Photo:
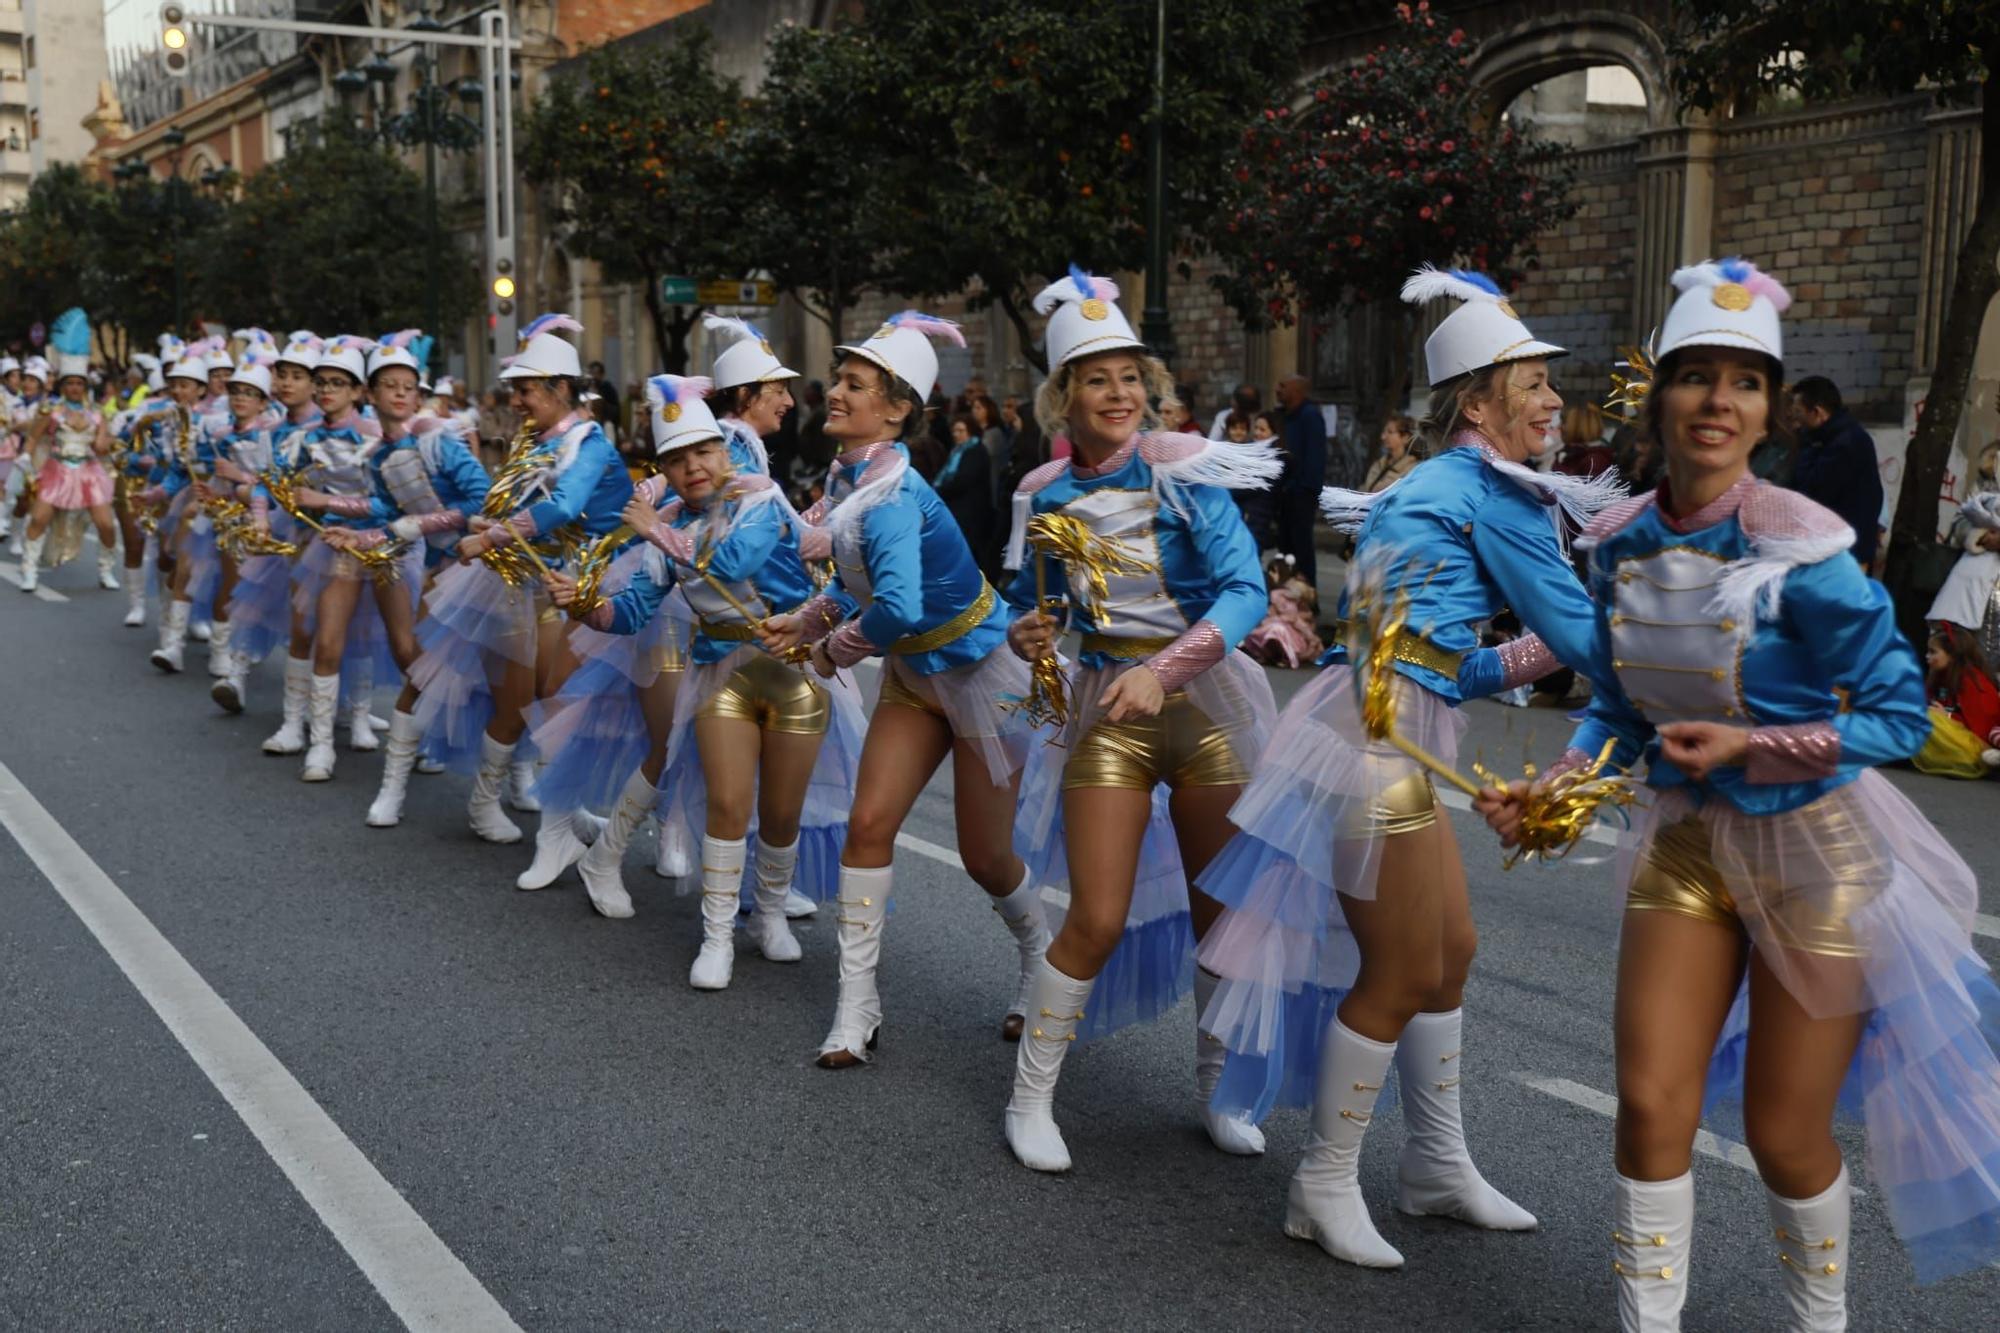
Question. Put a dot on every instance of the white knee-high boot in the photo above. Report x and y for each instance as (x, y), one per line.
(721, 881)
(219, 657)
(602, 867)
(1021, 912)
(290, 737)
(1237, 1134)
(861, 908)
(1652, 1234)
(1812, 1239)
(173, 636)
(768, 927)
(1055, 1006)
(325, 703)
(1325, 1204)
(482, 808)
(1435, 1171)
(387, 809)
(107, 568)
(31, 559)
(557, 848)
(135, 599)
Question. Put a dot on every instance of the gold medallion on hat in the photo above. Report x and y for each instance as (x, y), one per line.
(1505, 309)
(1731, 296)
(1094, 309)
(882, 332)
(765, 344)
(670, 413)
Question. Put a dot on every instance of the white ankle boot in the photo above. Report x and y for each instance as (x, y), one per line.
(1055, 1006)
(721, 881)
(1436, 1174)
(325, 703)
(768, 928)
(557, 848)
(173, 636)
(675, 860)
(219, 658)
(603, 866)
(482, 810)
(521, 787)
(1237, 1134)
(1324, 1203)
(290, 737)
(135, 599)
(1652, 1234)
(360, 725)
(1812, 1239)
(31, 559)
(387, 809)
(1021, 912)
(861, 906)
(107, 569)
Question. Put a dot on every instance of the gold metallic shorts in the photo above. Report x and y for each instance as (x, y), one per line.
(898, 691)
(1178, 746)
(1407, 805)
(774, 696)
(1679, 875)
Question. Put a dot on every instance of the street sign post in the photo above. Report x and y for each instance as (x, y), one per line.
(677, 291)
(728, 291)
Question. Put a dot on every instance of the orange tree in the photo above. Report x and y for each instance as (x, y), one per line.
(1373, 169)
(640, 149)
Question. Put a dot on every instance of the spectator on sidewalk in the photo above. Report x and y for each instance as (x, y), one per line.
(1836, 463)
(1398, 454)
(1304, 439)
(1584, 452)
(965, 485)
(1244, 402)
(1964, 708)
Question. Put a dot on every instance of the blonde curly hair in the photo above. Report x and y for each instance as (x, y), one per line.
(1054, 399)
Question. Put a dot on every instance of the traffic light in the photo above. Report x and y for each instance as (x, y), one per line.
(176, 45)
(503, 285)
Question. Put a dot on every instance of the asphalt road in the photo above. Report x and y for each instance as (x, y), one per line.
(601, 1147)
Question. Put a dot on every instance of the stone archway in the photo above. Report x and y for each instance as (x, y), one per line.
(1510, 61)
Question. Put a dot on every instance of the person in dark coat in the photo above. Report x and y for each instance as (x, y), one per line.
(1836, 463)
(1305, 473)
(965, 485)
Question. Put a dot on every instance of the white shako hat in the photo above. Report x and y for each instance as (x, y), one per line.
(37, 368)
(1725, 303)
(190, 368)
(258, 345)
(69, 364)
(348, 352)
(394, 350)
(218, 355)
(8, 363)
(543, 355)
(902, 346)
(256, 374)
(680, 418)
(302, 348)
(1484, 330)
(1086, 319)
(746, 356)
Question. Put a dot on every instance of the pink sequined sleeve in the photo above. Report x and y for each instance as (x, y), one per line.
(442, 520)
(523, 524)
(1525, 660)
(349, 506)
(1572, 759)
(821, 616)
(599, 617)
(676, 542)
(260, 510)
(1188, 656)
(651, 489)
(1802, 752)
(366, 539)
(848, 645)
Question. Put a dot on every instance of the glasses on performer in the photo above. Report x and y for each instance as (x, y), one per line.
(330, 382)
(245, 391)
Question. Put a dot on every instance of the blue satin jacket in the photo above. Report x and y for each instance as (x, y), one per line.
(591, 491)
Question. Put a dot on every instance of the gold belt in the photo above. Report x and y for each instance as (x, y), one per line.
(1125, 649)
(952, 630)
(1418, 651)
(734, 633)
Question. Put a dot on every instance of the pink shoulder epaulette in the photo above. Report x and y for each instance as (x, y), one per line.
(1615, 517)
(1773, 511)
(1042, 476)
(1169, 446)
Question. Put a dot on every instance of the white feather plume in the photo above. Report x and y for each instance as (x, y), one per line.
(1430, 283)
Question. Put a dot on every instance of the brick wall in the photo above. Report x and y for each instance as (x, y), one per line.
(585, 23)
(1834, 209)
(1211, 348)
(1579, 294)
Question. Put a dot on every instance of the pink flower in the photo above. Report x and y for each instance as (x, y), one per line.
(1424, 212)
(1457, 37)
(1448, 146)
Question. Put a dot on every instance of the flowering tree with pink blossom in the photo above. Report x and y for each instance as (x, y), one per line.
(1376, 168)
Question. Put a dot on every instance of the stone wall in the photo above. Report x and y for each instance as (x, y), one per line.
(1579, 294)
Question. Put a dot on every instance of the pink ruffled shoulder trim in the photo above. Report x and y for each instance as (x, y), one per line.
(1042, 477)
(1773, 511)
(1170, 446)
(749, 483)
(1615, 518)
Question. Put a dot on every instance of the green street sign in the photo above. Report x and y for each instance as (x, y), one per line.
(677, 291)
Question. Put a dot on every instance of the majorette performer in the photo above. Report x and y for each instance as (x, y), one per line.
(1146, 549)
(180, 442)
(10, 443)
(1349, 936)
(73, 439)
(144, 438)
(262, 608)
(493, 642)
(749, 729)
(33, 380)
(946, 671)
(1796, 934)
(238, 456)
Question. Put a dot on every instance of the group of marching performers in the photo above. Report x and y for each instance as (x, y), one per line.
(681, 647)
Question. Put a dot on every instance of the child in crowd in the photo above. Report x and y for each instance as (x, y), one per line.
(1965, 708)
(1286, 636)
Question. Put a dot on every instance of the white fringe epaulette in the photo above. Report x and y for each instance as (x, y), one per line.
(879, 483)
(1787, 532)
(1346, 511)
(1023, 508)
(1579, 498)
(1179, 460)
(734, 431)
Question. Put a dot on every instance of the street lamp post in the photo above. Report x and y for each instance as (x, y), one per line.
(175, 138)
(1155, 323)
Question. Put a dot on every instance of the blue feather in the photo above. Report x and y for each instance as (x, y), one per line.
(1735, 269)
(1477, 279)
(420, 348)
(70, 334)
(1082, 281)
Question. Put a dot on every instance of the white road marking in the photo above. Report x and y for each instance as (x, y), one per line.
(422, 1281)
(923, 847)
(1590, 1099)
(1989, 926)
(11, 572)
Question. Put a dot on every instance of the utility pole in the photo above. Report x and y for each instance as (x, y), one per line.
(1156, 324)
